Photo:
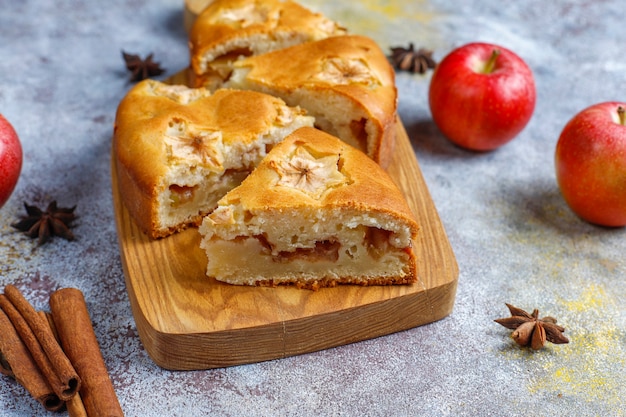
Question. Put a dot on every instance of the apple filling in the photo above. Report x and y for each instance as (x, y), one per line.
(187, 204)
(221, 67)
(357, 129)
(323, 250)
(358, 252)
(226, 60)
(180, 194)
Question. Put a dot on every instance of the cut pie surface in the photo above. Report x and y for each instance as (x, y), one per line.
(178, 150)
(316, 212)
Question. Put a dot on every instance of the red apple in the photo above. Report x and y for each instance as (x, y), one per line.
(10, 159)
(481, 96)
(590, 161)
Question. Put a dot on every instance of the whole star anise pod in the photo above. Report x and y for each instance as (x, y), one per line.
(408, 59)
(54, 221)
(141, 68)
(530, 330)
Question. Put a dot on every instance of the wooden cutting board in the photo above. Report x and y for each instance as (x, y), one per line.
(188, 321)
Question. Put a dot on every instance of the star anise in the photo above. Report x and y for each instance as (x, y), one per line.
(408, 59)
(530, 330)
(141, 68)
(54, 221)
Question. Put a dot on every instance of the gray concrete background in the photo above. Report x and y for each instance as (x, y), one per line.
(62, 76)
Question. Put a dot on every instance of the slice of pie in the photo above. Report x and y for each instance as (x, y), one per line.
(178, 150)
(345, 82)
(229, 29)
(315, 213)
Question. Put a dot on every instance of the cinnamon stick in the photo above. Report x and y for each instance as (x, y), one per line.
(75, 406)
(73, 324)
(30, 341)
(47, 318)
(5, 368)
(38, 338)
(23, 368)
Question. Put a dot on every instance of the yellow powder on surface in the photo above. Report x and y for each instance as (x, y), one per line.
(15, 249)
(411, 9)
(572, 279)
(591, 367)
(372, 17)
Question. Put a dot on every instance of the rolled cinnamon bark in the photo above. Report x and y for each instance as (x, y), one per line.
(73, 323)
(43, 346)
(23, 368)
(5, 368)
(47, 318)
(75, 406)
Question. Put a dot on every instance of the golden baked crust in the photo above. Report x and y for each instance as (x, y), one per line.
(178, 150)
(345, 82)
(363, 185)
(228, 29)
(316, 212)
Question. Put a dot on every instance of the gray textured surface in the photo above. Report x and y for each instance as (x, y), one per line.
(61, 77)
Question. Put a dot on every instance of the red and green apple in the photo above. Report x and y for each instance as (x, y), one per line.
(10, 159)
(481, 96)
(590, 161)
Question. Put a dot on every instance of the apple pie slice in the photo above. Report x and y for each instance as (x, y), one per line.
(345, 82)
(315, 213)
(178, 150)
(230, 29)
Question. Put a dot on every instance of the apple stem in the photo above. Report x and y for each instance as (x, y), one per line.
(621, 113)
(489, 66)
